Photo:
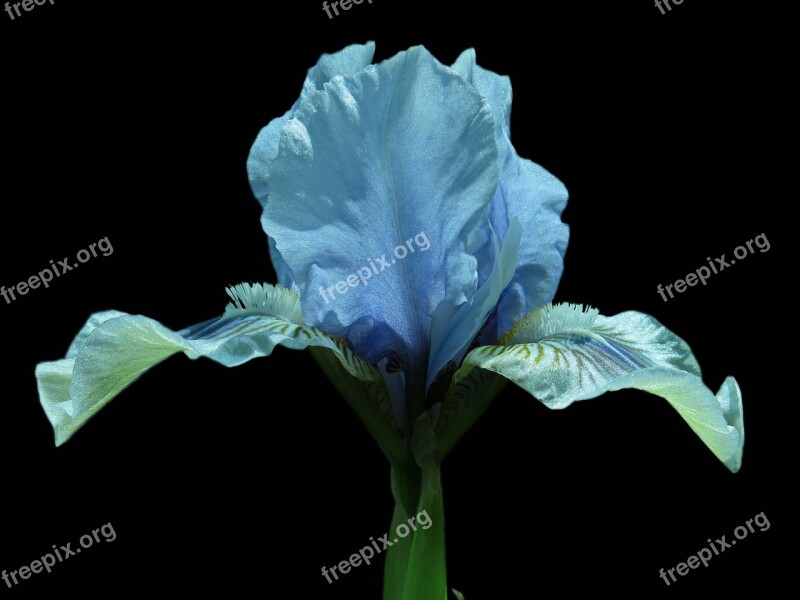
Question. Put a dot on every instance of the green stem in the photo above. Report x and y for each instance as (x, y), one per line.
(415, 563)
(406, 485)
(415, 566)
(426, 578)
(397, 557)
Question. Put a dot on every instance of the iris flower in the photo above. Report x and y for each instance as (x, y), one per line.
(408, 154)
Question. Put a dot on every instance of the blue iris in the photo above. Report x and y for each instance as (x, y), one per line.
(417, 256)
(367, 160)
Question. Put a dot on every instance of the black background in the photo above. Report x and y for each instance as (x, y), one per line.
(134, 121)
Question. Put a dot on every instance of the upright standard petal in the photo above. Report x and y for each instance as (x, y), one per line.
(528, 193)
(454, 328)
(264, 150)
(398, 152)
(561, 354)
(115, 348)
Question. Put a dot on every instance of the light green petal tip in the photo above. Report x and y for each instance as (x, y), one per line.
(113, 349)
(561, 354)
(53, 380)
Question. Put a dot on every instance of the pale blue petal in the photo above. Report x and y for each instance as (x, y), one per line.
(401, 149)
(262, 153)
(264, 150)
(282, 271)
(496, 89)
(114, 349)
(349, 60)
(465, 63)
(526, 192)
(454, 329)
(562, 354)
(533, 196)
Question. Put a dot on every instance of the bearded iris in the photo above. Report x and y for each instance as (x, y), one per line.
(369, 157)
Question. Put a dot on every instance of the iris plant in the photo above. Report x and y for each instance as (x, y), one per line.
(368, 157)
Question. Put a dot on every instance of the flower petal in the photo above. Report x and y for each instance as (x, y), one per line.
(348, 60)
(533, 196)
(528, 193)
(496, 89)
(398, 150)
(454, 328)
(561, 354)
(259, 162)
(114, 349)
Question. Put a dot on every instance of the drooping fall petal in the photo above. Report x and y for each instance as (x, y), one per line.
(561, 354)
(113, 349)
